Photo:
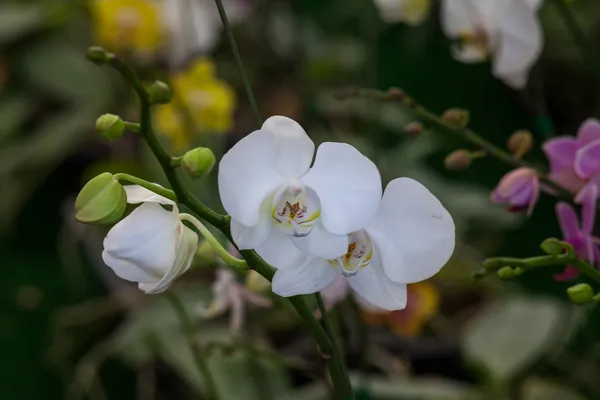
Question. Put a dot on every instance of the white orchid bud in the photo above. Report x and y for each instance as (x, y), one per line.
(151, 246)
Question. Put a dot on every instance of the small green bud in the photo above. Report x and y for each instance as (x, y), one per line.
(456, 117)
(101, 201)
(110, 126)
(98, 55)
(506, 273)
(199, 161)
(555, 247)
(458, 160)
(160, 93)
(581, 293)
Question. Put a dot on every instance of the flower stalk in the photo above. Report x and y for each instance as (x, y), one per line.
(153, 187)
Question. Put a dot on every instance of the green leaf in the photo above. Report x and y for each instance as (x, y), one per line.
(539, 389)
(510, 335)
(380, 388)
(18, 20)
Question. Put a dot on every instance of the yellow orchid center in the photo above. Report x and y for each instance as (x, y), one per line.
(296, 209)
(359, 255)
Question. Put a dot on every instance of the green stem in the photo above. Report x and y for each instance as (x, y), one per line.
(230, 260)
(153, 187)
(189, 328)
(132, 126)
(240, 63)
(165, 160)
(329, 328)
(428, 117)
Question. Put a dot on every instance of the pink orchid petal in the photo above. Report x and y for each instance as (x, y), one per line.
(569, 273)
(588, 132)
(523, 197)
(567, 179)
(589, 249)
(588, 198)
(560, 152)
(587, 160)
(568, 221)
(535, 196)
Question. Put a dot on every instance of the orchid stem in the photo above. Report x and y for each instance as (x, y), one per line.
(240, 63)
(230, 260)
(189, 328)
(341, 382)
(402, 99)
(153, 187)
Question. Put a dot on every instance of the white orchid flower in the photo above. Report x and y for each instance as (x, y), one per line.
(194, 26)
(150, 246)
(279, 204)
(508, 31)
(409, 240)
(411, 12)
(229, 294)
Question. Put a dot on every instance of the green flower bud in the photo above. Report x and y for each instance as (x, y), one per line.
(199, 161)
(581, 293)
(160, 93)
(555, 247)
(456, 117)
(101, 201)
(110, 126)
(98, 55)
(506, 273)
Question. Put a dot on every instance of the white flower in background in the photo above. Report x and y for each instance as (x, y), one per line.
(229, 294)
(194, 26)
(409, 240)
(279, 204)
(412, 12)
(508, 31)
(150, 246)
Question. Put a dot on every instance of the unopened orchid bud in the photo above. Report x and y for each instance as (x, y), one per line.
(456, 117)
(458, 160)
(506, 273)
(98, 55)
(553, 247)
(160, 93)
(520, 143)
(520, 189)
(199, 161)
(101, 201)
(110, 126)
(396, 94)
(581, 293)
(414, 128)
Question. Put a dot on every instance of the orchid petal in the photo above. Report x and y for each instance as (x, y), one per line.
(280, 252)
(255, 236)
(413, 231)
(588, 198)
(588, 132)
(372, 284)
(560, 152)
(348, 185)
(458, 16)
(312, 276)
(137, 194)
(587, 160)
(295, 149)
(247, 175)
(322, 244)
(568, 221)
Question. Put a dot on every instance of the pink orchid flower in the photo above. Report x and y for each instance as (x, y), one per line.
(575, 161)
(520, 189)
(579, 235)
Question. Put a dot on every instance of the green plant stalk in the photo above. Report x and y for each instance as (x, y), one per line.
(329, 329)
(341, 382)
(428, 117)
(153, 187)
(240, 63)
(189, 328)
(230, 260)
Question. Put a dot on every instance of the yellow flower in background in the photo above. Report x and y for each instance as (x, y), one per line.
(208, 101)
(422, 305)
(128, 24)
